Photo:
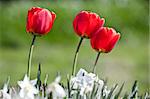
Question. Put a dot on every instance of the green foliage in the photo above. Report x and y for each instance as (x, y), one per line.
(119, 92)
(124, 16)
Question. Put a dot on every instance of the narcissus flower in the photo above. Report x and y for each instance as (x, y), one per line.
(85, 81)
(86, 23)
(57, 90)
(39, 21)
(4, 92)
(104, 39)
(28, 89)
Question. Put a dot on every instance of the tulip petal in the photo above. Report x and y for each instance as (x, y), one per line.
(87, 23)
(101, 39)
(53, 16)
(105, 36)
(75, 24)
(39, 21)
(30, 17)
(81, 23)
(94, 24)
(42, 22)
(104, 39)
(112, 43)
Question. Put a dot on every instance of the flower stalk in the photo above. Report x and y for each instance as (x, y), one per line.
(94, 67)
(76, 57)
(30, 56)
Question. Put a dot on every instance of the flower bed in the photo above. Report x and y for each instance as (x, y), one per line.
(82, 85)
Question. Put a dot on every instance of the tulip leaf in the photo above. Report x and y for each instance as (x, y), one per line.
(117, 95)
(134, 90)
(38, 85)
(111, 91)
(68, 86)
(125, 96)
(102, 91)
(146, 95)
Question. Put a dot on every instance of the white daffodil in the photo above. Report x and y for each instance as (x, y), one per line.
(83, 81)
(106, 91)
(4, 94)
(100, 87)
(28, 89)
(57, 91)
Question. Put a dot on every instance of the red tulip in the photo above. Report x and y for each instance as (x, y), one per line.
(39, 21)
(86, 23)
(104, 39)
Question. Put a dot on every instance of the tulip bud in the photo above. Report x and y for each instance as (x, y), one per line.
(39, 21)
(86, 23)
(104, 39)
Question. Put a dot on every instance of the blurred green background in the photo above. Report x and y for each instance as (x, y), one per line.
(127, 62)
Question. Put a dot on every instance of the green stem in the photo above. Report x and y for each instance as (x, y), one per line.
(76, 56)
(30, 56)
(94, 68)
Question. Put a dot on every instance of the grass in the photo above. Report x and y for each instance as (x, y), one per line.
(116, 66)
